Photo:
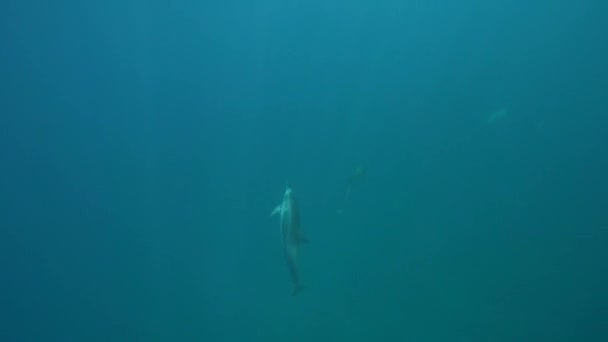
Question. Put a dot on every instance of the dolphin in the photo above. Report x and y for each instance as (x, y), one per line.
(289, 222)
(352, 180)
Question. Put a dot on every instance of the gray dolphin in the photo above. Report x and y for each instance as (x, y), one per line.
(289, 222)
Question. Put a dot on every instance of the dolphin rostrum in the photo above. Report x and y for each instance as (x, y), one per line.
(289, 222)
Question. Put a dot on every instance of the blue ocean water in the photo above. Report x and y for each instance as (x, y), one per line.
(449, 159)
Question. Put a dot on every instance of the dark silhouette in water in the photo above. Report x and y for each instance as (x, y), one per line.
(354, 178)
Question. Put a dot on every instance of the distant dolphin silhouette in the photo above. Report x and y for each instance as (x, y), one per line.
(352, 180)
(289, 222)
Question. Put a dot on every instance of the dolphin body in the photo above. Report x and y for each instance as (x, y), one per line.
(289, 222)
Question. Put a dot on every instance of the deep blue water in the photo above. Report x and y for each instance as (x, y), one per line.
(143, 145)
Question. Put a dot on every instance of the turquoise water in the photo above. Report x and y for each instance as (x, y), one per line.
(449, 159)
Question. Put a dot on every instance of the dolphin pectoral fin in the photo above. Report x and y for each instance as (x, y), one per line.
(275, 210)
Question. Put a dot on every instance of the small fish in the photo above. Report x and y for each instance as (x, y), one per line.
(289, 222)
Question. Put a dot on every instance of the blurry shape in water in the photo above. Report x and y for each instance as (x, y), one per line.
(291, 236)
(354, 178)
(497, 115)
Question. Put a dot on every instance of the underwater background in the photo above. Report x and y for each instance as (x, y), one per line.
(449, 159)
